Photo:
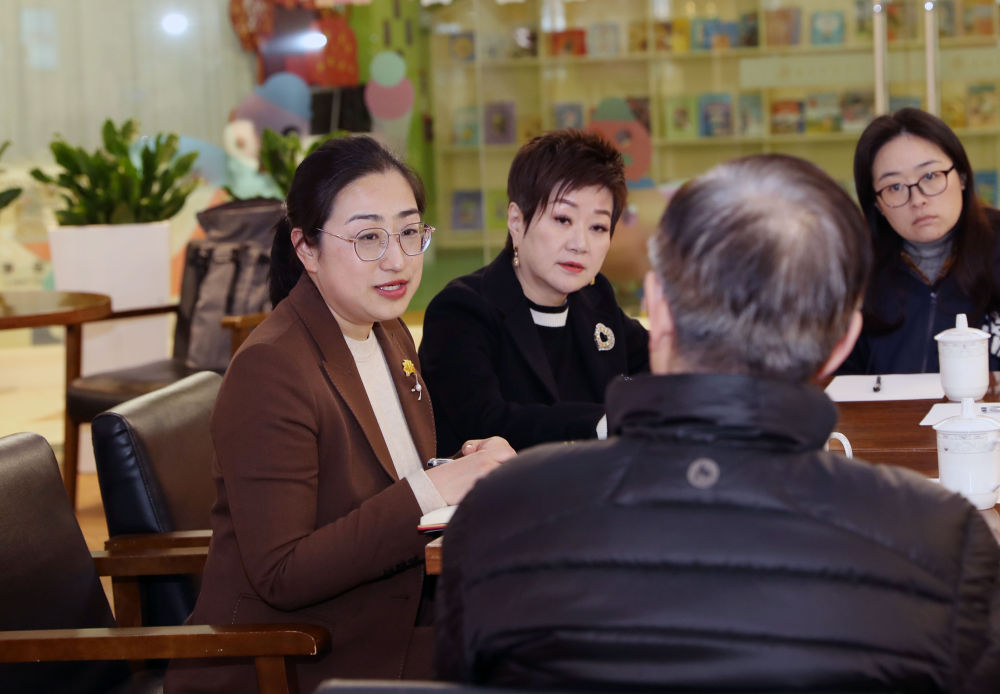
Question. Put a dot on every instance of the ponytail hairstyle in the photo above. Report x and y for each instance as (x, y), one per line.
(318, 180)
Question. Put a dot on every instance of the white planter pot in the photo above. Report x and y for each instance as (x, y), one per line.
(131, 264)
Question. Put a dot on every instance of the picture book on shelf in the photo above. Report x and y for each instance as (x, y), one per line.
(863, 20)
(680, 40)
(638, 40)
(523, 41)
(856, 110)
(747, 30)
(462, 46)
(787, 117)
(750, 122)
(981, 106)
(783, 26)
(568, 42)
(898, 101)
(901, 20)
(496, 208)
(945, 11)
(986, 186)
(977, 17)
(715, 114)
(465, 126)
(722, 35)
(680, 114)
(568, 114)
(822, 112)
(953, 109)
(827, 28)
(467, 210)
(499, 123)
(603, 39)
(663, 36)
(700, 38)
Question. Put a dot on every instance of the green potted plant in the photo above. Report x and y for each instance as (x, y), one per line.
(107, 187)
(114, 237)
(280, 155)
(7, 196)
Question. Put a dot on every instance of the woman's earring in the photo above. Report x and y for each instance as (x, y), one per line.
(517, 260)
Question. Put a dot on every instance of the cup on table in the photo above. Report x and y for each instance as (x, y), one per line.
(836, 435)
(964, 360)
(968, 455)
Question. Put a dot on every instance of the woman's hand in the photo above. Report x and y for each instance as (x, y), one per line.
(453, 480)
(497, 444)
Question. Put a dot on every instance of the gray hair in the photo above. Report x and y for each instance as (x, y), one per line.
(763, 260)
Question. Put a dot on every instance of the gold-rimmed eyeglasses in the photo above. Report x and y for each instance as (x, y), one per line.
(930, 184)
(370, 244)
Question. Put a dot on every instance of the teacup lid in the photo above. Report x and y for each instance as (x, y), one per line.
(968, 421)
(961, 332)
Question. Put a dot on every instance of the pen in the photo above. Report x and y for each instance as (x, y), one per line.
(878, 384)
(434, 462)
(990, 408)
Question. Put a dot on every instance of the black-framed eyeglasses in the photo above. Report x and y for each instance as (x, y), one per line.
(370, 244)
(930, 184)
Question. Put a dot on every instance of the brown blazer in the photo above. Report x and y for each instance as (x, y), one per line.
(311, 522)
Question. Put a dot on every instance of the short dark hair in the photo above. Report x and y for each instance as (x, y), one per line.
(318, 180)
(974, 240)
(560, 161)
(763, 260)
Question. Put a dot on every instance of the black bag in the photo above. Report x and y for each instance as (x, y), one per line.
(225, 274)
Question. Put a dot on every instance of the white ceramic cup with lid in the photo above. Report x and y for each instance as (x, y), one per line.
(968, 456)
(964, 359)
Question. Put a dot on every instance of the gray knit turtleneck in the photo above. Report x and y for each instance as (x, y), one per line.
(930, 256)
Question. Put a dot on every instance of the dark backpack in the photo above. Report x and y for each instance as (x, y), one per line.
(225, 274)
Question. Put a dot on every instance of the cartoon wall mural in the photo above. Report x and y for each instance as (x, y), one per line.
(627, 125)
(389, 97)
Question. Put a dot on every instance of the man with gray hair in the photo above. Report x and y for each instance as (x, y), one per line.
(710, 542)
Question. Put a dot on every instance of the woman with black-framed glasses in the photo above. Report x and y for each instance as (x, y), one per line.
(324, 436)
(936, 252)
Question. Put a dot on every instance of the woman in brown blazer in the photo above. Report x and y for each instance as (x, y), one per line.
(322, 430)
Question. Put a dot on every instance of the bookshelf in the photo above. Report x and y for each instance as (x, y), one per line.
(708, 80)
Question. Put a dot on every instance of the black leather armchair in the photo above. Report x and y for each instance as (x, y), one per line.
(57, 632)
(154, 459)
(87, 396)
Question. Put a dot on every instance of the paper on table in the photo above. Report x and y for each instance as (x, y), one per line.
(942, 410)
(436, 519)
(894, 387)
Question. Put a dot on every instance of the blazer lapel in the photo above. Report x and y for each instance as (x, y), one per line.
(397, 346)
(504, 291)
(338, 363)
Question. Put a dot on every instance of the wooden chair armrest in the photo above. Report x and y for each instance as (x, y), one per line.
(139, 312)
(150, 643)
(267, 644)
(244, 321)
(150, 562)
(126, 564)
(176, 538)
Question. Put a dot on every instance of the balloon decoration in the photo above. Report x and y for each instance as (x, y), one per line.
(389, 96)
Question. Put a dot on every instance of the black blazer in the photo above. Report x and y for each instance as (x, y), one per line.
(486, 368)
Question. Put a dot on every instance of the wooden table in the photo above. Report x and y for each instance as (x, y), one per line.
(36, 309)
(880, 432)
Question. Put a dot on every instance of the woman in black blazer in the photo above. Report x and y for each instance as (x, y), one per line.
(524, 347)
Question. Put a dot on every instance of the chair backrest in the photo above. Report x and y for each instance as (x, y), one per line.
(154, 461)
(49, 580)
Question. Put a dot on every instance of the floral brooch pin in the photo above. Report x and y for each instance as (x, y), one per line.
(604, 338)
(410, 370)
